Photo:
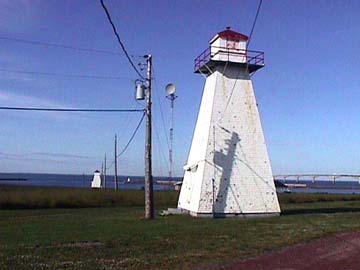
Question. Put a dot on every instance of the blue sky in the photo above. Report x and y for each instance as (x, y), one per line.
(308, 93)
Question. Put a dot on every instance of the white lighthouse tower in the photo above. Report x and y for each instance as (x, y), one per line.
(228, 172)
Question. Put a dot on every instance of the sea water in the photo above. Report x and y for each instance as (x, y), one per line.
(78, 181)
(137, 182)
(322, 186)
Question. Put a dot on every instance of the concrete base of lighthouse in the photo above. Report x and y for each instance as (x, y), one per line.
(228, 173)
(179, 211)
(229, 215)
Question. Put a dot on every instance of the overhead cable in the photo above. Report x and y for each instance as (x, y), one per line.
(67, 109)
(63, 46)
(251, 32)
(112, 163)
(119, 40)
(132, 136)
(84, 76)
(247, 63)
(160, 148)
(254, 23)
(161, 110)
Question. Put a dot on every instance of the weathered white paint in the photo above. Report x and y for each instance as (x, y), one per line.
(96, 182)
(228, 170)
(228, 50)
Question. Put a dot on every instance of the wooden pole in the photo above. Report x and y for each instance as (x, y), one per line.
(102, 175)
(115, 165)
(149, 196)
(105, 172)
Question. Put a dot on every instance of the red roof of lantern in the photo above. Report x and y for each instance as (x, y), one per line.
(230, 34)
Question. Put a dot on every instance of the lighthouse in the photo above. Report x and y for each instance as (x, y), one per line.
(228, 171)
(96, 182)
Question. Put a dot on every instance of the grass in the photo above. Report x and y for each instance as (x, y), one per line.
(26, 197)
(119, 238)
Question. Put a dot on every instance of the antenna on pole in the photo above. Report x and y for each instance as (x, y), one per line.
(170, 90)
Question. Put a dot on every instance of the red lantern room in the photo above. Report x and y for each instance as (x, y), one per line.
(228, 46)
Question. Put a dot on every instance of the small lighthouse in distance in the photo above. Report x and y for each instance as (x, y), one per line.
(228, 172)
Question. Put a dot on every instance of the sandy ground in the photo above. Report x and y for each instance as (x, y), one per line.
(339, 251)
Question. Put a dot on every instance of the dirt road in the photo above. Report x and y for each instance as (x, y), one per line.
(340, 251)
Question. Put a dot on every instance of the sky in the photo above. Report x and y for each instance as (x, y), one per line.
(308, 93)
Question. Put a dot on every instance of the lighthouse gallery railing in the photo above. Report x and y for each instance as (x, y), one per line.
(252, 57)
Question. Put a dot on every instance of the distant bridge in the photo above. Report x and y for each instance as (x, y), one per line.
(316, 177)
(279, 178)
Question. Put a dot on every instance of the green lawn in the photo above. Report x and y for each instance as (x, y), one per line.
(119, 238)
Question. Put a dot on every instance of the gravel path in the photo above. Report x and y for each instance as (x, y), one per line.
(336, 252)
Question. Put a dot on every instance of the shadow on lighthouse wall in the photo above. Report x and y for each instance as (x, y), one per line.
(237, 72)
(225, 160)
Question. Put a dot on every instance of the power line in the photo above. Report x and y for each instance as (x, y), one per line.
(254, 23)
(252, 30)
(127, 120)
(161, 110)
(160, 149)
(119, 40)
(247, 63)
(162, 158)
(112, 163)
(124, 128)
(67, 110)
(63, 46)
(129, 142)
(132, 136)
(84, 76)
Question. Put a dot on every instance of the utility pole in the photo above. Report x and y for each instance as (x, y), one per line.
(149, 194)
(115, 164)
(105, 172)
(102, 175)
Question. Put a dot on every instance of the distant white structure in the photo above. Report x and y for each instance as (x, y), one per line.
(228, 172)
(96, 182)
